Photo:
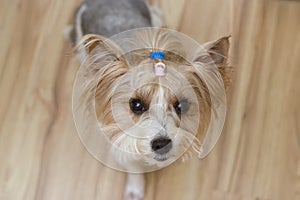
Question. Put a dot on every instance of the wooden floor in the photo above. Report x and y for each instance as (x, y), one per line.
(257, 157)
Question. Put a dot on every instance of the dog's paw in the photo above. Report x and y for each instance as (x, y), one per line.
(135, 187)
(134, 193)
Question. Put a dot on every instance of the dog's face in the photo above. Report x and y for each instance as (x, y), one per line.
(158, 118)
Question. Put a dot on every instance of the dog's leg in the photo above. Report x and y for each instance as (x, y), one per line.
(135, 187)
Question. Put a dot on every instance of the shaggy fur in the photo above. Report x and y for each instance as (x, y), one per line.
(114, 78)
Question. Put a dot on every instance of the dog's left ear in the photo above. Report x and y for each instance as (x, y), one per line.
(216, 53)
(210, 59)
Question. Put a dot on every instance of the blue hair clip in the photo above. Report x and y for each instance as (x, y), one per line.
(157, 55)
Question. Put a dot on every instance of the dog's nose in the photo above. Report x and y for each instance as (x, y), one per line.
(161, 145)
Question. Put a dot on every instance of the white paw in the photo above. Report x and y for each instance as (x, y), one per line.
(135, 187)
(134, 193)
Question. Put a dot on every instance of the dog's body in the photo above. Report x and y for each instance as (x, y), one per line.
(162, 108)
(110, 17)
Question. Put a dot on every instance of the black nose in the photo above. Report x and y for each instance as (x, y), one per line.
(161, 145)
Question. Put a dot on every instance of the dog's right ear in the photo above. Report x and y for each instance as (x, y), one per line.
(95, 48)
(103, 63)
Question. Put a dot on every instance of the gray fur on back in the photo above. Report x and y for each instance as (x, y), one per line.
(109, 17)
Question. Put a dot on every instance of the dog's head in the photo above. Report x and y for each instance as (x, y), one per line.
(159, 118)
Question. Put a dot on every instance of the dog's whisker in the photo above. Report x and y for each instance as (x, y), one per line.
(193, 142)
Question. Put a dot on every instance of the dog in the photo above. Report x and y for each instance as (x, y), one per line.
(155, 96)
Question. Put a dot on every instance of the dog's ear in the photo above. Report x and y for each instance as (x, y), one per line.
(210, 59)
(217, 50)
(103, 64)
(216, 53)
(91, 47)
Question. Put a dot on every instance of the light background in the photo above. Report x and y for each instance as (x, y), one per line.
(256, 158)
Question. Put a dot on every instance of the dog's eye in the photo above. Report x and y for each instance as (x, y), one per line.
(137, 106)
(181, 107)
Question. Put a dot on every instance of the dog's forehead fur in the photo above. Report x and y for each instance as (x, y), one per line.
(180, 82)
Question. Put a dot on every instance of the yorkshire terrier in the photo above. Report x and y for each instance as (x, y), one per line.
(157, 95)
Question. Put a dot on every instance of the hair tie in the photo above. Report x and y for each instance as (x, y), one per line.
(159, 67)
(157, 55)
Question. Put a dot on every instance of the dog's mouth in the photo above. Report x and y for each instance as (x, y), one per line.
(161, 158)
